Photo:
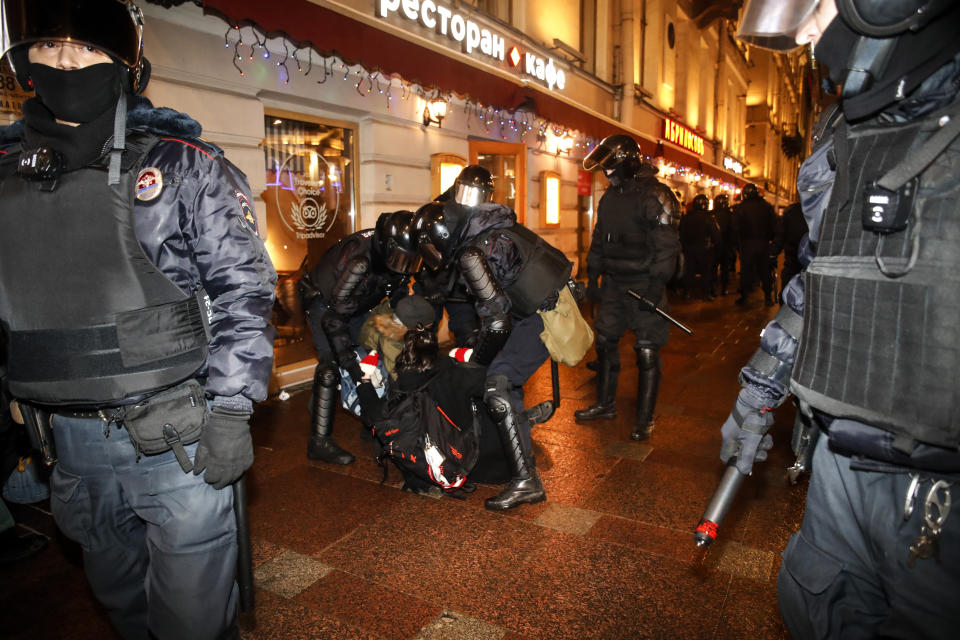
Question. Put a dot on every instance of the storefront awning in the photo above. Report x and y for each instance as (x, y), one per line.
(356, 42)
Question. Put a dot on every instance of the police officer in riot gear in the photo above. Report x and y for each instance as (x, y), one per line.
(755, 222)
(699, 237)
(867, 339)
(727, 252)
(136, 294)
(351, 278)
(511, 272)
(635, 246)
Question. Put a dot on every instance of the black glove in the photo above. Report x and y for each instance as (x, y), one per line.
(593, 290)
(226, 448)
(369, 403)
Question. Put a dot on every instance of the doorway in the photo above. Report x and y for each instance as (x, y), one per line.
(507, 163)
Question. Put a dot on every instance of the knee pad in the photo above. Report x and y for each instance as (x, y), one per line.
(496, 396)
(607, 348)
(326, 376)
(648, 356)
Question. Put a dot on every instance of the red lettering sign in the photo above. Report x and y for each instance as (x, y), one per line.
(680, 135)
(584, 182)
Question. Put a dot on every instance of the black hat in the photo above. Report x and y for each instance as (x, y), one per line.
(414, 311)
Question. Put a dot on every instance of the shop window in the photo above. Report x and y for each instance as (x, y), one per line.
(549, 199)
(444, 169)
(309, 202)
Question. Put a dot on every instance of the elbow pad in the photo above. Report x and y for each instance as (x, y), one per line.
(348, 282)
(768, 371)
(492, 337)
(478, 276)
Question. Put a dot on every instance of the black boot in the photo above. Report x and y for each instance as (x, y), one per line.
(648, 365)
(525, 486)
(606, 404)
(323, 402)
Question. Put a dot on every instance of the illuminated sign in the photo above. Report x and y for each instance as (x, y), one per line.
(732, 165)
(680, 135)
(472, 37)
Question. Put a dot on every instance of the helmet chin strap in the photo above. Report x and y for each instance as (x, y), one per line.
(119, 139)
(866, 63)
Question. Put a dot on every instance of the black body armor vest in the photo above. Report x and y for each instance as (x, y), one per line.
(545, 269)
(91, 321)
(880, 349)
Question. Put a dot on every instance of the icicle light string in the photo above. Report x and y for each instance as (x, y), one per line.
(504, 124)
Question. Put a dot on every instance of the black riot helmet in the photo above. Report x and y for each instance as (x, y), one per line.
(877, 51)
(435, 230)
(396, 242)
(619, 157)
(700, 202)
(473, 186)
(750, 191)
(722, 201)
(112, 26)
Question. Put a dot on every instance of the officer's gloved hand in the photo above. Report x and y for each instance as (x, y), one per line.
(369, 403)
(226, 448)
(745, 432)
(593, 290)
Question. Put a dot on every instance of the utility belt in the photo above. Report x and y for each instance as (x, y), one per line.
(162, 422)
(874, 449)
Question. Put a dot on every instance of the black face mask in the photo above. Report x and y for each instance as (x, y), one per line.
(834, 47)
(77, 95)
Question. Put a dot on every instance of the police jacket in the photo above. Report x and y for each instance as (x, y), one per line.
(756, 224)
(349, 280)
(527, 270)
(200, 232)
(724, 218)
(699, 231)
(635, 237)
(868, 339)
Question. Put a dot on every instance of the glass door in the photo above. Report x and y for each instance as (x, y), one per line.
(507, 163)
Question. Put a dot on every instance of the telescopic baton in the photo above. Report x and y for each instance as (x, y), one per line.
(653, 307)
(720, 503)
(244, 557)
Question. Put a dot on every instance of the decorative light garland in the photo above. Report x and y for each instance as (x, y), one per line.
(508, 124)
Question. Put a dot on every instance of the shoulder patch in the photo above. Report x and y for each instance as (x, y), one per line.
(367, 233)
(246, 212)
(149, 184)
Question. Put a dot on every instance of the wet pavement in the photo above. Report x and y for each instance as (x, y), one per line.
(339, 554)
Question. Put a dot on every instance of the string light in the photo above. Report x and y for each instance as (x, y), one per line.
(498, 123)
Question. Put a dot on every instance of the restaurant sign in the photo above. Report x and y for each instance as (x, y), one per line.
(473, 38)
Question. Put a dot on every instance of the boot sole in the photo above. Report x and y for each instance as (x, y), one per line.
(604, 416)
(515, 503)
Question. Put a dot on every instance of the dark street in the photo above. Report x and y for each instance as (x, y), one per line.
(610, 554)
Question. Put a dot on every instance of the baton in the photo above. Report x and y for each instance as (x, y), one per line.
(555, 382)
(720, 503)
(653, 307)
(244, 559)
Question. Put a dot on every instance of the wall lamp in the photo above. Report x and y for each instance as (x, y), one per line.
(434, 111)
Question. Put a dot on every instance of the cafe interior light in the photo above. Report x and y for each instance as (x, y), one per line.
(434, 111)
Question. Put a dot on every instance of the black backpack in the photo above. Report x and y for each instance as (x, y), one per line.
(422, 440)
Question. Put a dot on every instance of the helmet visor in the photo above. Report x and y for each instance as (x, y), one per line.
(470, 195)
(600, 157)
(401, 261)
(773, 24)
(113, 26)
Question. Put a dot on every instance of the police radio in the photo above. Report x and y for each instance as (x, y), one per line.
(886, 211)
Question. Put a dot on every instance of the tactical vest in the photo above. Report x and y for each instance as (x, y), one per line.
(545, 268)
(879, 349)
(91, 321)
